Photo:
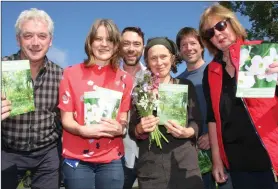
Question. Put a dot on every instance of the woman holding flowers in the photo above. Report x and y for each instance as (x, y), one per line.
(93, 153)
(243, 131)
(174, 165)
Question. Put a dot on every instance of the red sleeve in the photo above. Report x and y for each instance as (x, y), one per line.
(126, 99)
(65, 93)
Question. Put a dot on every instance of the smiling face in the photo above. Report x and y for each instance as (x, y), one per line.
(102, 46)
(221, 39)
(34, 40)
(190, 49)
(132, 48)
(160, 60)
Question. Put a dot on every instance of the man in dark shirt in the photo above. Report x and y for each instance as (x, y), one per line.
(29, 140)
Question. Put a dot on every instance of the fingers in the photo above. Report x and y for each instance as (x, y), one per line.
(174, 129)
(219, 175)
(203, 142)
(273, 68)
(6, 108)
(149, 123)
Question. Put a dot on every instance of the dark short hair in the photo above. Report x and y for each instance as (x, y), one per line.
(186, 31)
(136, 30)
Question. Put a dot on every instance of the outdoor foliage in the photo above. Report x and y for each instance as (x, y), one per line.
(263, 16)
(17, 87)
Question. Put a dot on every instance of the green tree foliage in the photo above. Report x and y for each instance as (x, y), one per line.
(263, 16)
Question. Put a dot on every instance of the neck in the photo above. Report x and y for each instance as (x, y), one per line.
(226, 58)
(166, 79)
(132, 70)
(101, 63)
(196, 65)
(35, 66)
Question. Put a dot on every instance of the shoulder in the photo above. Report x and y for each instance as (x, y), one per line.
(124, 76)
(55, 66)
(10, 57)
(184, 81)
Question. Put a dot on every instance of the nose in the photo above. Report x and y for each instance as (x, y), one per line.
(159, 61)
(35, 40)
(216, 32)
(104, 42)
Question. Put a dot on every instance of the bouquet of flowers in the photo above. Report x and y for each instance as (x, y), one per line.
(145, 98)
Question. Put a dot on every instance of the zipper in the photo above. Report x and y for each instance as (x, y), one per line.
(274, 172)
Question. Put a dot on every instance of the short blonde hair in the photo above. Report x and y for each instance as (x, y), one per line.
(34, 14)
(114, 35)
(220, 11)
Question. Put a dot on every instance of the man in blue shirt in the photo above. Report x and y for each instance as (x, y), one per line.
(192, 52)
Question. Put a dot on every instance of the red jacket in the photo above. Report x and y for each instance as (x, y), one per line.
(263, 111)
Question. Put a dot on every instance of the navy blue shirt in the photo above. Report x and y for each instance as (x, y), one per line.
(196, 77)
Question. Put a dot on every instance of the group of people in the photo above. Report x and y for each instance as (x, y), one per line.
(241, 134)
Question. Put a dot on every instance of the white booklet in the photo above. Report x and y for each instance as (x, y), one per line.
(254, 60)
(101, 103)
(173, 100)
(17, 86)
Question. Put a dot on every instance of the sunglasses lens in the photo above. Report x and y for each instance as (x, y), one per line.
(221, 26)
(209, 33)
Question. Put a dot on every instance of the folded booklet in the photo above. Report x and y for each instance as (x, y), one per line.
(17, 86)
(172, 103)
(101, 103)
(252, 81)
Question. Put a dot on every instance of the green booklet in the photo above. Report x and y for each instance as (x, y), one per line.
(204, 161)
(17, 86)
(254, 60)
(172, 103)
(101, 103)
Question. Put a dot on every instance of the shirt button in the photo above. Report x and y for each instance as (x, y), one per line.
(259, 127)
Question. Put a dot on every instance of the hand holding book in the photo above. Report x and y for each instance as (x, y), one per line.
(6, 107)
(179, 131)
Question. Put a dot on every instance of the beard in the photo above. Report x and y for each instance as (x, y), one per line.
(133, 63)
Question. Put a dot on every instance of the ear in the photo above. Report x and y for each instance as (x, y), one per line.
(18, 40)
(50, 44)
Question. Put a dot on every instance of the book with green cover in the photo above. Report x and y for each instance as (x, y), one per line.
(17, 86)
(204, 161)
(173, 100)
(252, 80)
(101, 103)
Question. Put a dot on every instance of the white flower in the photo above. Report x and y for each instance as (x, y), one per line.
(273, 53)
(245, 81)
(244, 55)
(257, 66)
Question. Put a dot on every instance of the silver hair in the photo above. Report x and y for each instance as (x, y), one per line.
(34, 14)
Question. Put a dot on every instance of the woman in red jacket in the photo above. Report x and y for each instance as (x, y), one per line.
(243, 131)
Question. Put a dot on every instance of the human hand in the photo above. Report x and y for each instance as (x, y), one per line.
(147, 124)
(178, 131)
(203, 142)
(218, 171)
(273, 68)
(6, 108)
(106, 128)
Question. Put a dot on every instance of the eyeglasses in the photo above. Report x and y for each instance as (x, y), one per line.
(220, 26)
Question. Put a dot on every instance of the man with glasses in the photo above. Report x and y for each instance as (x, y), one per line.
(131, 50)
(192, 52)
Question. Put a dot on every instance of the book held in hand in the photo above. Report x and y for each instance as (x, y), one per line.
(252, 81)
(101, 103)
(173, 100)
(17, 86)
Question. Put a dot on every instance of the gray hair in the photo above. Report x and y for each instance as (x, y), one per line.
(34, 14)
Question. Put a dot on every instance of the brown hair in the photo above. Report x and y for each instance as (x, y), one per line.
(114, 35)
(136, 30)
(220, 11)
(188, 31)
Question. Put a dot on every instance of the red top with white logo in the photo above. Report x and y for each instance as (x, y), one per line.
(76, 80)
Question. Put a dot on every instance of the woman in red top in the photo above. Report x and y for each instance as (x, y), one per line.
(243, 131)
(93, 153)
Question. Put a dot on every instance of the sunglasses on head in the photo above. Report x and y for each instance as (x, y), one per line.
(220, 26)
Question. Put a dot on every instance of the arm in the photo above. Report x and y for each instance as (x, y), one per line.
(218, 167)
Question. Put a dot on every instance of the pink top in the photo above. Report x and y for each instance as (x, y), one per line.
(76, 80)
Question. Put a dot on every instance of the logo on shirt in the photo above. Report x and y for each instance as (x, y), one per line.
(65, 97)
(90, 82)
